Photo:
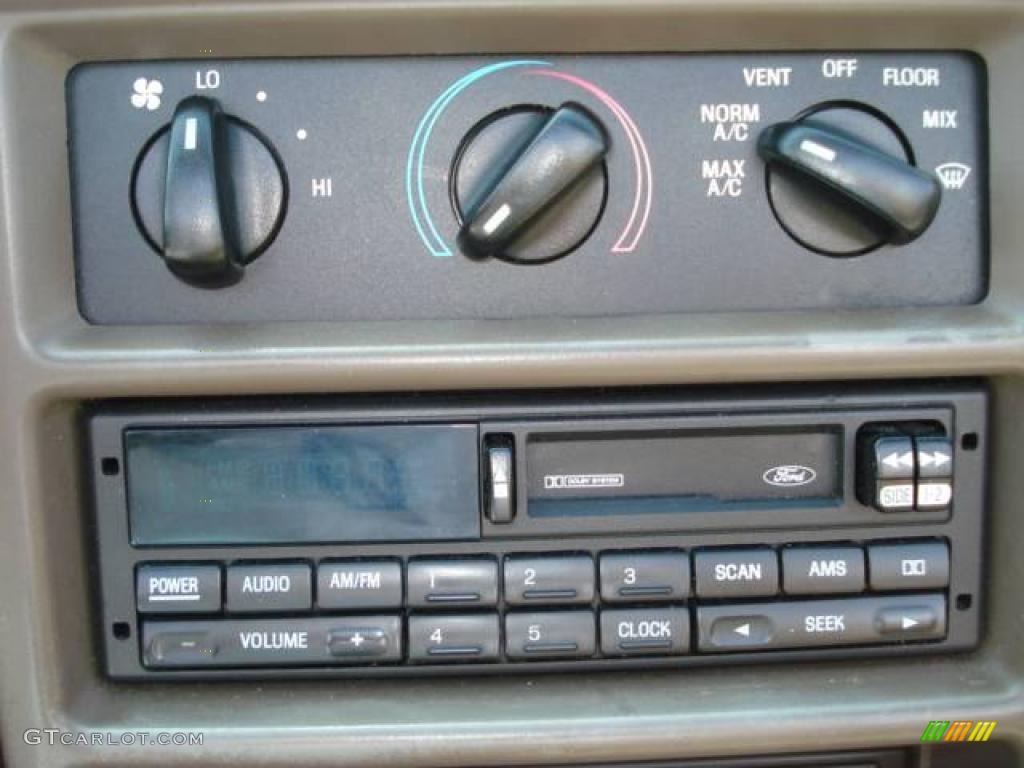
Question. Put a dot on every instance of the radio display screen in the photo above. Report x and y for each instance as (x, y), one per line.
(284, 485)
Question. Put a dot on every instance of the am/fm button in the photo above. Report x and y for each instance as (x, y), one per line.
(359, 585)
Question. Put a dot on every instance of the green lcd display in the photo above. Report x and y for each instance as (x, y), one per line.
(290, 485)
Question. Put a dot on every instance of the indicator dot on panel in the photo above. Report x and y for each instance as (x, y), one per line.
(301, 134)
(261, 95)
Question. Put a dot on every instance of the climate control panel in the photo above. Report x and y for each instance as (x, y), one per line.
(459, 187)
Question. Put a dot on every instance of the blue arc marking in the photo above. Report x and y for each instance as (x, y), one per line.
(417, 152)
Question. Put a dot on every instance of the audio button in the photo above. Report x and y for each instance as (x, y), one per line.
(270, 587)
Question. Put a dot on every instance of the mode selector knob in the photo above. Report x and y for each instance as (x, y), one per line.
(529, 183)
(209, 194)
(842, 180)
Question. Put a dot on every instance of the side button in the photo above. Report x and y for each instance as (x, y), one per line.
(893, 467)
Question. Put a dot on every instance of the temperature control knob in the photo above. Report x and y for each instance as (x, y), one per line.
(842, 181)
(208, 193)
(529, 184)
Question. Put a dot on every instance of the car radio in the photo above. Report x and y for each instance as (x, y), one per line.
(414, 535)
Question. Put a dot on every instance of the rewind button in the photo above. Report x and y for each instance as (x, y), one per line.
(894, 464)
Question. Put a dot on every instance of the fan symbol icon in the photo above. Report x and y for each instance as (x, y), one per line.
(146, 94)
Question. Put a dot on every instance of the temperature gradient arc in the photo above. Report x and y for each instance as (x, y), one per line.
(415, 186)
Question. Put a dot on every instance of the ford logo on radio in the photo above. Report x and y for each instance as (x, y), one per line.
(789, 475)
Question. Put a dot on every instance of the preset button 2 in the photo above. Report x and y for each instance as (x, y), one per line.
(549, 579)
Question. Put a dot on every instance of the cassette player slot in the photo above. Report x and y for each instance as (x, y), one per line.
(670, 472)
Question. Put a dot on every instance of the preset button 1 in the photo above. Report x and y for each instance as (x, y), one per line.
(443, 583)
